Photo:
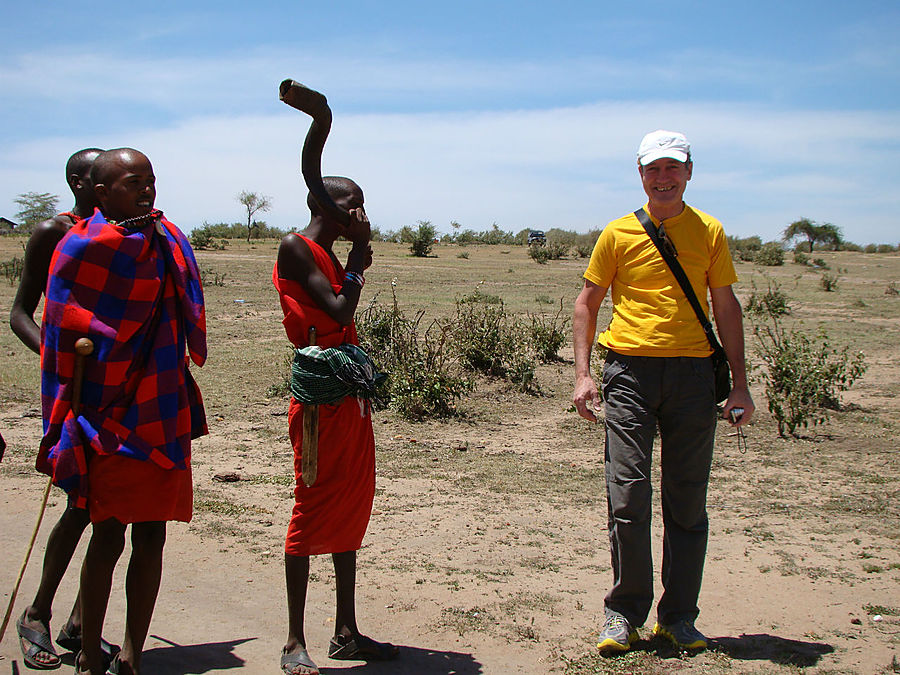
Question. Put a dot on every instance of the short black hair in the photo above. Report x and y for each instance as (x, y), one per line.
(81, 162)
(336, 187)
(106, 165)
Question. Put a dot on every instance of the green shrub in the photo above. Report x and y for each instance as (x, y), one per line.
(540, 254)
(800, 257)
(210, 277)
(491, 342)
(12, 269)
(463, 254)
(774, 302)
(557, 250)
(584, 250)
(497, 236)
(549, 333)
(200, 239)
(829, 281)
(771, 255)
(803, 377)
(423, 239)
(745, 249)
(424, 379)
(480, 296)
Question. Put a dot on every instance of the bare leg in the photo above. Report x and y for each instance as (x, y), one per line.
(61, 545)
(107, 543)
(348, 642)
(141, 589)
(345, 593)
(296, 573)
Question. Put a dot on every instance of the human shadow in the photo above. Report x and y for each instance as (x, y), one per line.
(765, 647)
(415, 661)
(177, 659)
(745, 648)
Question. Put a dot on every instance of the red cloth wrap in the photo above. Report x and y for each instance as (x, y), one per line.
(135, 491)
(333, 514)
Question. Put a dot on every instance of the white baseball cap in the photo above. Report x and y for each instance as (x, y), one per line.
(663, 143)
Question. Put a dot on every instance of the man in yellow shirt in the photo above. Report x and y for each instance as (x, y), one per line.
(658, 374)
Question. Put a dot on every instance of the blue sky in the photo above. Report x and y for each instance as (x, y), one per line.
(524, 114)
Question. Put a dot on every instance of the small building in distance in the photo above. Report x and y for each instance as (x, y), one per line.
(7, 226)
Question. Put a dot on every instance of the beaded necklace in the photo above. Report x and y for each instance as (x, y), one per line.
(131, 223)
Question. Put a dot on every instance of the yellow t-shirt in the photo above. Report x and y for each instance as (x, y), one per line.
(651, 315)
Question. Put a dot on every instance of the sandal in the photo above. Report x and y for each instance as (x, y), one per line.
(112, 666)
(39, 643)
(72, 643)
(290, 661)
(361, 648)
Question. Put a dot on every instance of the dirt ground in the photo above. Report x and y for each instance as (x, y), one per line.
(487, 549)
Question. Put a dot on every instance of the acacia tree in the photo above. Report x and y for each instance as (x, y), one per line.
(36, 206)
(254, 204)
(801, 228)
(814, 232)
(831, 234)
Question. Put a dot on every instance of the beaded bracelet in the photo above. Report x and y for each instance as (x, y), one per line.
(355, 278)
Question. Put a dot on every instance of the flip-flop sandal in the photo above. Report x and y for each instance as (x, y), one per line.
(38, 643)
(301, 658)
(72, 643)
(361, 648)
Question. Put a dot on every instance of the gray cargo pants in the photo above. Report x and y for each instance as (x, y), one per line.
(675, 394)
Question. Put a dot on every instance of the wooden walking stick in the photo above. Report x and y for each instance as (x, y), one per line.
(83, 347)
(309, 460)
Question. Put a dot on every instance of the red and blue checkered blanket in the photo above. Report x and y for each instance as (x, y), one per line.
(136, 293)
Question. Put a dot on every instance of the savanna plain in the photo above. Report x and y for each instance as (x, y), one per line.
(487, 549)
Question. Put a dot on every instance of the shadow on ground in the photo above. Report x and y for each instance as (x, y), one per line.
(764, 647)
(214, 656)
(415, 661)
(192, 659)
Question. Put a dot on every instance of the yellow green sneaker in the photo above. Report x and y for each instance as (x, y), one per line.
(617, 635)
(682, 634)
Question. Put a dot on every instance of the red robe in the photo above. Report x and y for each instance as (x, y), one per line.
(333, 514)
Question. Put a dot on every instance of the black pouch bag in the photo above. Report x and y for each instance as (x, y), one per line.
(722, 373)
(719, 359)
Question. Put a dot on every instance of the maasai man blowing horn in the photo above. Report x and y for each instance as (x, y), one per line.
(33, 626)
(126, 278)
(331, 516)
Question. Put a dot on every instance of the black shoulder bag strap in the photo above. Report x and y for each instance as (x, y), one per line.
(682, 279)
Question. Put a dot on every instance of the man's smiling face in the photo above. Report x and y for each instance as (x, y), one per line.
(131, 190)
(664, 182)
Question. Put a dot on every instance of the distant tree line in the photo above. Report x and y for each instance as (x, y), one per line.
(39, 206)
(465, 236)
(213, 235)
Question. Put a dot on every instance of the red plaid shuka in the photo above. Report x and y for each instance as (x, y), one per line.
(137, 295)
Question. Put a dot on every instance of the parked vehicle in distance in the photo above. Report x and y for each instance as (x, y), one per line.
(536, 238)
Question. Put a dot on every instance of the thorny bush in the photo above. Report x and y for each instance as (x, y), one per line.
(12, 269)
(548, 333)
(774, 302)
(804, 377)
(490, 341)
(424, 379)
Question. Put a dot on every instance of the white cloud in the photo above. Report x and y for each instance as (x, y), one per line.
(756, 170)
